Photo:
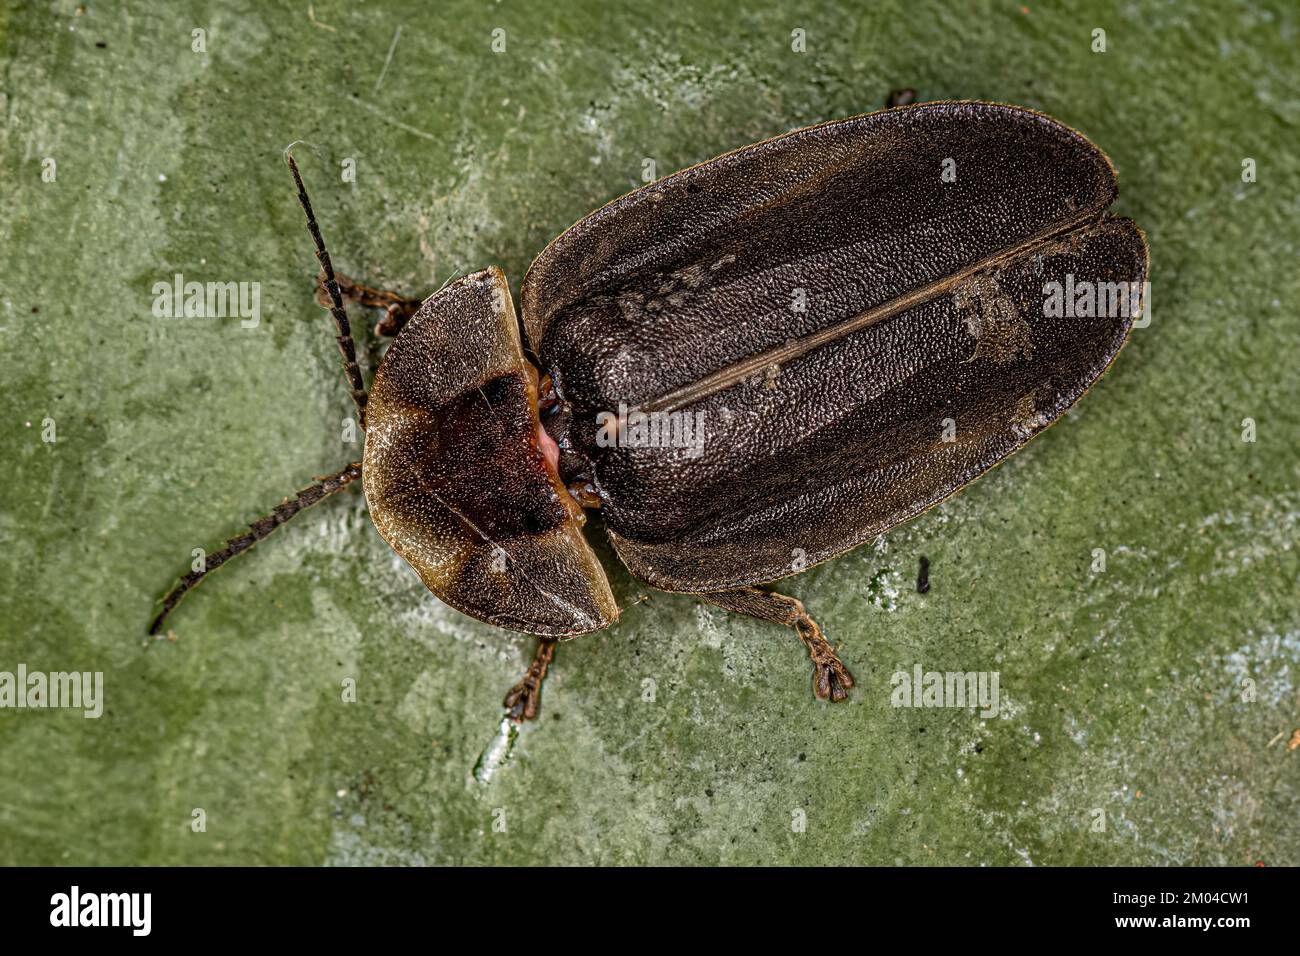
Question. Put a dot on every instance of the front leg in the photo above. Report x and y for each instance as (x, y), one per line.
(397, 307)
(831, 679)
(526, 697)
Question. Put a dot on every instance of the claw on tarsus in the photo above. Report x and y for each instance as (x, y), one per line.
(525, 698)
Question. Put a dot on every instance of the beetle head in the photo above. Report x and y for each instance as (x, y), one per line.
(457, 477)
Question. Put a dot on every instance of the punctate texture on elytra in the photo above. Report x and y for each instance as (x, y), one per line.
(971, 208)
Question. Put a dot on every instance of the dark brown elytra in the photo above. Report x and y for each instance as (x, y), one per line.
(750, 366)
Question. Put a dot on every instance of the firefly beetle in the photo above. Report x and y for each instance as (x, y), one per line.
(750, 366)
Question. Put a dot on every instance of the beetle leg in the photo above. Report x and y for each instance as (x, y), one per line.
(259, 529)
(831, 679)
(397, 307)
(526, 697)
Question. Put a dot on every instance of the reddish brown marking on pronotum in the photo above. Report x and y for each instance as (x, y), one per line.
(750, 367)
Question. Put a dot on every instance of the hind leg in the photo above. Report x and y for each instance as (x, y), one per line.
(831, 679)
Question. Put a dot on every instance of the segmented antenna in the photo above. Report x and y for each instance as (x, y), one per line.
(347, 347)
(259, 529)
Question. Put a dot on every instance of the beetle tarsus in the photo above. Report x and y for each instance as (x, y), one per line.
(831, 679)
(398, 309)
(525, 698)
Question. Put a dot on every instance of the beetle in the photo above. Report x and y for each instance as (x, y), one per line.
(750, 367)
